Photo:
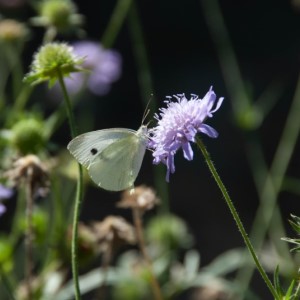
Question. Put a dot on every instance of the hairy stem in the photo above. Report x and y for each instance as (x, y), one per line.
(79, 192)
(236, 217)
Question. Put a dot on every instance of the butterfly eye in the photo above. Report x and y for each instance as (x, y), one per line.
(94, 151)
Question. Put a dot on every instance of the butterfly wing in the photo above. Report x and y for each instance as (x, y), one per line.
(117, 166)
(87, 146)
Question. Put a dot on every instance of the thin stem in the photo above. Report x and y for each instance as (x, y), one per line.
(236, 217)
(68, 104)
(228, 61)
(139, 230)
(22, 98)
(274, 178)
(29, 237)
(106, 261)
(7, 284)
(146, 89)
(79, 191)
(297, 290)
(115, 22)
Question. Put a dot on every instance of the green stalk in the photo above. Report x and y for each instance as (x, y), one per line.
(228, 61)
(273, 182)
(146, 89)
(79, 191)
(236, 217)
(7, 284)
(115, 22)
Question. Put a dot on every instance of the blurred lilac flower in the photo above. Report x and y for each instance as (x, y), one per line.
(5, 193)
(12, 3)
(178, 125)
(103, 65)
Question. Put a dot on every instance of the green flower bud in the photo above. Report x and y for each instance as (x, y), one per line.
(12, 31)
(169, 232)
(250, 118)
(52, 61)
(27, 135)
(58, 14)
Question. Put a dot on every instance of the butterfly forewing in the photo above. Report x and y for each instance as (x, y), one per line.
(118, 165)
(87, 146)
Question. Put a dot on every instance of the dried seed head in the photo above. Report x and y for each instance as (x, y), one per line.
(29, 169)
(112, 232)
(143, 197)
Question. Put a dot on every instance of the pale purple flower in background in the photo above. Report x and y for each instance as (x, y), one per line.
(5, 193)
(103, 68)
(178, 125)
(12, 3)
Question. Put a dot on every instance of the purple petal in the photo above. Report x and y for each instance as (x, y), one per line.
(219, 103)
(5, 192)
(170, 163)
(206, 129)
(168, 176)
(209, 99)
(2, 209)
(187, 151)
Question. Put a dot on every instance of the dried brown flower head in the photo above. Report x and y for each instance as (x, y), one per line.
(29, 169)
(212, 291)
(142, 197)
(113, 232)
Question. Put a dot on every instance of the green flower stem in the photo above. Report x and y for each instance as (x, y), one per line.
(79, 191)
(274, 179)
(137, 219)
(29, 238)
(236, 217)
(7, 284)
(146, 89)
(115, 23)
(228, 61)
(22, 98)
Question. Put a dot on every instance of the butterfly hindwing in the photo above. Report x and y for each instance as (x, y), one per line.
(116, 167)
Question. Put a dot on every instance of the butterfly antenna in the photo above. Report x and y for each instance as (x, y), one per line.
(147, 110)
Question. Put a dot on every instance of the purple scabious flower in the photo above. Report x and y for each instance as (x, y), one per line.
(5, 193)
(104, 66)
(178, 125)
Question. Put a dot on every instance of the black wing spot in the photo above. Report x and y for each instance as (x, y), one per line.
(94, 151)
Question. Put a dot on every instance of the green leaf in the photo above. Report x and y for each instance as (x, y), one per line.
(289, 292)
(277, 283)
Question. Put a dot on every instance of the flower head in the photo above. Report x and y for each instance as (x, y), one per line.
(31, 170)
(143, 198)
(60, 16)
(12, 31)
(104, 66)
(178, 125)
(51, 61)
(28, 135)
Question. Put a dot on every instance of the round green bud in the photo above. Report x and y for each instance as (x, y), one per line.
(58, 13)
(27, 136)
(169, 232)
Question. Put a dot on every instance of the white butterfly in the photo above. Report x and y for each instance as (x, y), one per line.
(113, 157)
